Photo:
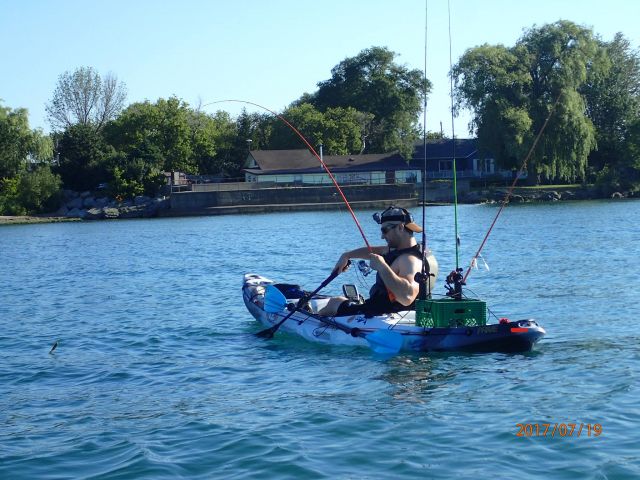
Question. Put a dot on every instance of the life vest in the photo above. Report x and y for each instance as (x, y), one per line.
(380, 295)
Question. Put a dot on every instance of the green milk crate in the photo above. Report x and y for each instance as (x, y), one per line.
(450, 313)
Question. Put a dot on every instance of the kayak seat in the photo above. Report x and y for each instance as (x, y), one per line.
(290, 290)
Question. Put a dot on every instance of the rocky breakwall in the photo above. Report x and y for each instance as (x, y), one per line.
(88, 206)
(521, 195)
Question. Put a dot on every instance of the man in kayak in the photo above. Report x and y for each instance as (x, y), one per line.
(396, 265)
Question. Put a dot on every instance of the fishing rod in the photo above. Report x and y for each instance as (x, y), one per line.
(315, 154)
(423, 277)
(453, 138)
(513, 185)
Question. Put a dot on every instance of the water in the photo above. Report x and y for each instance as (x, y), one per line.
(157, 373)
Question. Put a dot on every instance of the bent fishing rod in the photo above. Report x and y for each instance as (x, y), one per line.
(505, 201)
(315, 154)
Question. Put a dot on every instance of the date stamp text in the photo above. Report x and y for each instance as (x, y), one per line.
(558, 429)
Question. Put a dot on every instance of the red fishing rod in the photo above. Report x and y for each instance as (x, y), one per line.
(510, 191)
(315, 154)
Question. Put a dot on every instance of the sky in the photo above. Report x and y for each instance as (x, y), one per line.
(266, 52)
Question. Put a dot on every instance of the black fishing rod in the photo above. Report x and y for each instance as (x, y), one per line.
(424, 276)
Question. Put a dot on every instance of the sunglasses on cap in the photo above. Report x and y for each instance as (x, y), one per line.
(401, 215)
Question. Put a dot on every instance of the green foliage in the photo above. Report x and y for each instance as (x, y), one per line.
(512, 91)
(33, 191)
(26, 182)
(390, 94)
(306, 119)
(19, 144)
(83, 158)
(163, 136)
(10, 203)
(132, 178)
(249, 131)
(213, 138)
(340, 130)
(613, 105)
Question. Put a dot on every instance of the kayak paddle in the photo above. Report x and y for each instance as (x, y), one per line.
(384, 341)
(277, 301)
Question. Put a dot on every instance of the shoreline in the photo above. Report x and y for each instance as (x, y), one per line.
(31, 219)
(253, 209)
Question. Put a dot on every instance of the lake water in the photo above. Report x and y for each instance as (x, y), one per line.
(157, 373)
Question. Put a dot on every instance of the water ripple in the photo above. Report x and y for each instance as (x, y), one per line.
(158, 373)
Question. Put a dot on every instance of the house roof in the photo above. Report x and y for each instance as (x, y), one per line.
(443, 148)
(303, 161)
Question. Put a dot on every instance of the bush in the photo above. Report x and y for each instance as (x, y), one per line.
(36, 191)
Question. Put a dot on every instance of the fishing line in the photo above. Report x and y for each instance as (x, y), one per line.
(513, 185)
(424, 139)
(453, 137)
(315, 154)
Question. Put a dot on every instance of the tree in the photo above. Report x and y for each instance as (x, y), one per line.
(340, 130)
(612, 92)
(306, 119)
(212, 137)
(85, 98)
(26, 182)
(19, 144)
(248, 131)
(374, 84)
(512, 91)
(493, 82)
(159, 132)
(82, 158)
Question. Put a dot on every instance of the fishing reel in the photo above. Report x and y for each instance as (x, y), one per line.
(455, 278)
(364, 268)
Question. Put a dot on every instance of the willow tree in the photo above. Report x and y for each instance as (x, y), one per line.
(613, 105)
(26, 182)
(513, 91)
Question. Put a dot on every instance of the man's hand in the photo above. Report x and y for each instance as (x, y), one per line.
(342, 265)
(377, 262)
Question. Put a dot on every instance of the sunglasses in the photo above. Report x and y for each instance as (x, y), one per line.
(386, 228)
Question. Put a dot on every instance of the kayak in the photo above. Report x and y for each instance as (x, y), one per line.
(383, 333)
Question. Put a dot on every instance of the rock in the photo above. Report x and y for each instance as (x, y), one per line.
(617, 195)
(474, 197)
(69, 194)
(62, 211)
(110, 213)
(85, 194)
(517, 199)
(94, 214)
(76, 213)
(141, 200)
(89, 202)
(102, 202)
(132, 212)
(75, 203)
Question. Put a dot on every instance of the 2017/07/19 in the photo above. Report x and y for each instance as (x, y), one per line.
(561, 429)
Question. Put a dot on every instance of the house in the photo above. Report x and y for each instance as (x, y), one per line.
(469, 162)
(301, 167)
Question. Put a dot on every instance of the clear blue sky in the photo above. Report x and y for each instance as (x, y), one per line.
(268, 52)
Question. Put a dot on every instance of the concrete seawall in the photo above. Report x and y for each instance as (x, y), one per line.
(292, 198)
